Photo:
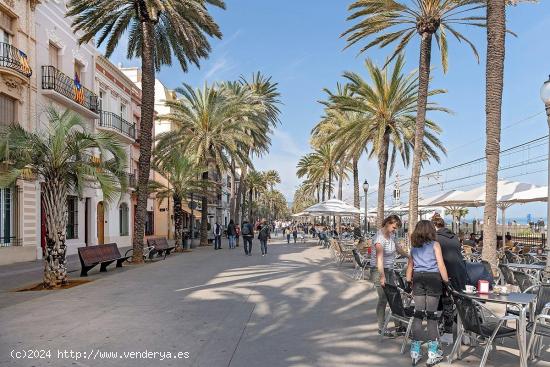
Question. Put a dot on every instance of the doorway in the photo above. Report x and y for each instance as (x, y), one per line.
(100, 223)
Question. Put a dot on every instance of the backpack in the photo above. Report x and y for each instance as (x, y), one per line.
(246, 230)
(264, 233)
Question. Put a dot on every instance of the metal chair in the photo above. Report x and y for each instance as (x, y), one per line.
(480, 322)
(539, 327)
(399, 311)
(360, 265)
(507, 275)
(524, 281)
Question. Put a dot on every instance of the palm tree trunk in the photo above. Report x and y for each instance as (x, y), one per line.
(423, 84)
(250, 206)
(232, 198)
(178, 222)
(145, 138)
(340, 188)
(55, 206)
(204, 214)
(382, 168)
(356, 203)
(496, 34)
(240, 195)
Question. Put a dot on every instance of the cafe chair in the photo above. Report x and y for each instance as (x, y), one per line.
(524, 280)
(481, 324)
(361, 265)
(400, 310)
(507, 275)
(540, 327)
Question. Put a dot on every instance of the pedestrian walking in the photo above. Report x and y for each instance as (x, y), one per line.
(382, 262)
(231, 234)
(287, 232)
(426, 270)
(247, 232)
(263, 236)
(217, 236)
(295, 234)
(237, 235)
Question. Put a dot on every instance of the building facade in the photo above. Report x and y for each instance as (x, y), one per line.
(19, 216)
(119, 114)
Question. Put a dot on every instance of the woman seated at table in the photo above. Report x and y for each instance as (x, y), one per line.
(382, 264)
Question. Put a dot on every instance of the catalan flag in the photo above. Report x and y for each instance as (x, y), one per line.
(78, 90)
(24, 63)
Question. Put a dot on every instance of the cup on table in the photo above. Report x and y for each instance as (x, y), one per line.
(470, 289)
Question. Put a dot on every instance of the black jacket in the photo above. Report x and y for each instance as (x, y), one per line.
(231, 230)
(452, 256)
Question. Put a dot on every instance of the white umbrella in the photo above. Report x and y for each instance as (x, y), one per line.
(508, 193)
(332, 207)
(449, 195)
(539, 193)
(301, 214)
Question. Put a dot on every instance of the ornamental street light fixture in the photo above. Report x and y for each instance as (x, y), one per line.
(545, 96)
(366, 190)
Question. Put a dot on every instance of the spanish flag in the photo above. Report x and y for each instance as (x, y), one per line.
(78, 91)
(24, 63)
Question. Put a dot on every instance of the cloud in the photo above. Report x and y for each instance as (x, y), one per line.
(219, 66)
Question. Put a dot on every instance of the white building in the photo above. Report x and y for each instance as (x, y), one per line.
(114, 90)
(62, 64)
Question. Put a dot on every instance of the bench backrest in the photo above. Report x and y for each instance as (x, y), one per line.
(96, 254)
(158, 243)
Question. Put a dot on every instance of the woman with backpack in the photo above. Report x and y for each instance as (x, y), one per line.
(426, 270)
(263, 236)
(248, 234)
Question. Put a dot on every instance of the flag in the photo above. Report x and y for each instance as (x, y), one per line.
(78, 90)
(24, 63)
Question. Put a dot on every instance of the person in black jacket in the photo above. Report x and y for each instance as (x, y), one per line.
(455, 264)
(452, 254)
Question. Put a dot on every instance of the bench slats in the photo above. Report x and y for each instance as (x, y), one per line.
(90, 256)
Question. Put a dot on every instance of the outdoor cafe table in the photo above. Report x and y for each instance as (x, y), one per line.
(537, 267)
(522, 301)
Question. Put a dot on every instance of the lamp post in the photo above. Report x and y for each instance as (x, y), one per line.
(366, 190)
(545, 96)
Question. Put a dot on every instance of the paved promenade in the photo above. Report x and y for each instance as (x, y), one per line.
(218, 308)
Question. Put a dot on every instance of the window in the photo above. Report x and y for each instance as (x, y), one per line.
(5, 217)
(79, 70)
(123, 219)
(101, 99)
(72, 219)
(8, 109)
(150, 224)
(53, 52)
(123, 111)
(6, 27)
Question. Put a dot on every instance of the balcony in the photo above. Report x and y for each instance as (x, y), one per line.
(14, 60)
(69, 92)
(113, 121)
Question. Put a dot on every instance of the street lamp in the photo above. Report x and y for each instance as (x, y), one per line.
(545, 96)
(366, 190)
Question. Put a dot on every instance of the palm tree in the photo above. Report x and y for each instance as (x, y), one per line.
(255, 183)
(183, 178)
(399, 22)
(156, 30)
(208, 125)
(325, 132)
(67, 158)
(267, 117)
(387, 106)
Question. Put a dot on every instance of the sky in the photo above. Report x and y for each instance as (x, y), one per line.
(298, 44)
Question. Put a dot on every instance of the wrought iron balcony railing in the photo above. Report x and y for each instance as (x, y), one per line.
(14, 59)
(114, 121)
(54, 79)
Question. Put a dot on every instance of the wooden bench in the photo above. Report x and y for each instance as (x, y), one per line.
(161, 246)
(90, 256)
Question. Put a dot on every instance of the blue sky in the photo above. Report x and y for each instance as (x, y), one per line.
(298, 44)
